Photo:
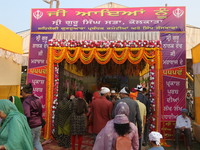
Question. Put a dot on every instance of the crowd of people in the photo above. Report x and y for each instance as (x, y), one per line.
(107, 109)
(21, 123)
(113, 118)
(118, 121)
(131, 104)
(108, 116)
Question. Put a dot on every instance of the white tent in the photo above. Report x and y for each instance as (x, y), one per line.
(26, 43)
(10, 62)
(192, 39)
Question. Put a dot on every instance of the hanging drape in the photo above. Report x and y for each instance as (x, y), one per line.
(103, 55)
(103, 51)
(17, 58)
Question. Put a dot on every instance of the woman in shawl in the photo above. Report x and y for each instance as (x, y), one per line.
(62, 121)
(78, 119)
(18, 103)
(15, 133)
(118, 127)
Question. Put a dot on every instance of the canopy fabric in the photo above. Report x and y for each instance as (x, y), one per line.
(196, 59)
(10, 41)
(111, 5)
(14, 56)
(192, 39)
(196, 54)
(107, 35)
(196, 68)
(26, 44)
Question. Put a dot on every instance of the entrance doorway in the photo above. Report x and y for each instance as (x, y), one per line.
(105, 64)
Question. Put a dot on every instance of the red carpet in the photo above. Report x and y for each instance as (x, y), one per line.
(86, 145)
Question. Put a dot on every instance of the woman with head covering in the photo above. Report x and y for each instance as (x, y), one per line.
(78, 119)
(154, 138)
(33, 111)
(62, 122)
(18, 103)
(116, 128)
(15, 133)
(96, 95)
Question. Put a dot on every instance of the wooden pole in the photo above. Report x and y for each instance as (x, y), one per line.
(50, 2)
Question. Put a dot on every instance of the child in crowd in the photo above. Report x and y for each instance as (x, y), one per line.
(154, 138)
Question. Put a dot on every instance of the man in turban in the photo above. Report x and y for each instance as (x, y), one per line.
(154, 138)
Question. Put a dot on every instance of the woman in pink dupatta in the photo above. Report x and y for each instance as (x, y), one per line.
(106, 139)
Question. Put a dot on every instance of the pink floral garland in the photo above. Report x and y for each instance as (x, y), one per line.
(104, 44)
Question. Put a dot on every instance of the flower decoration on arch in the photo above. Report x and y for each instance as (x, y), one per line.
(104, 51)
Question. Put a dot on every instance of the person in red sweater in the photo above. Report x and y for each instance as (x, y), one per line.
(101, 110)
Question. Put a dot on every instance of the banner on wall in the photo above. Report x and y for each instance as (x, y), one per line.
(108, 19)
(170, 21)
(37, 64)
(174, 79)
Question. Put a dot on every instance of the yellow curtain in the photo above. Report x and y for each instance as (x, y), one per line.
(73, 69)
(196, 54)
(9, 90)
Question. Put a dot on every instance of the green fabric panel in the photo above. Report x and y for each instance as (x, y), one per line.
(66, 128)
(18, 104)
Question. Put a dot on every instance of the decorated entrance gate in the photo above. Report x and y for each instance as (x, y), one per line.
(118, 35)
